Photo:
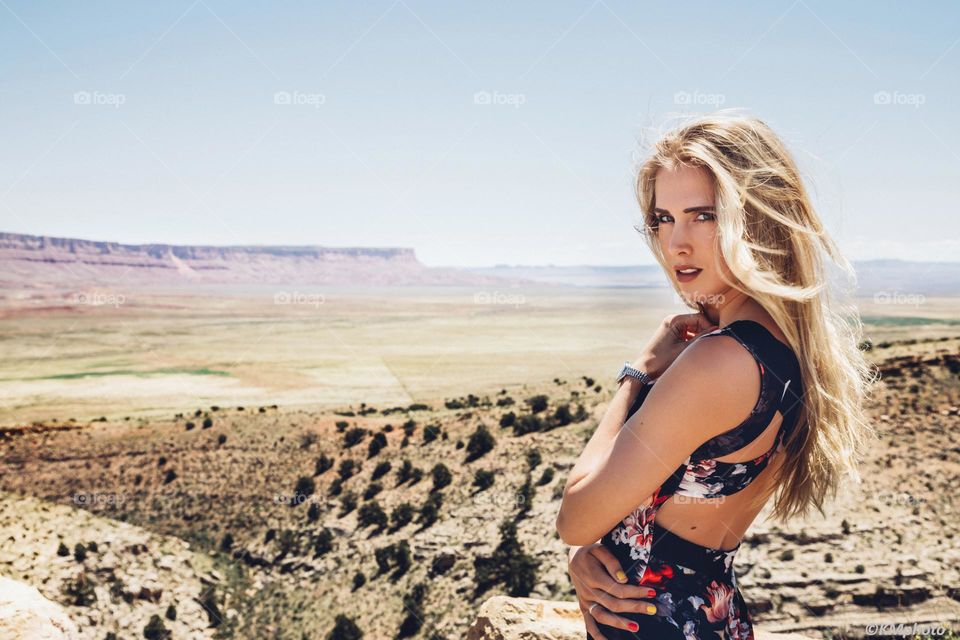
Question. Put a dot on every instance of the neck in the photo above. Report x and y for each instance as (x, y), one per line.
(733, 304)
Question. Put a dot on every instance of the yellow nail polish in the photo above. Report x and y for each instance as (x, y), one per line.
(651, 609)
(621, 576)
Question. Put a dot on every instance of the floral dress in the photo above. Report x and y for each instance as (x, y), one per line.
(697, 596)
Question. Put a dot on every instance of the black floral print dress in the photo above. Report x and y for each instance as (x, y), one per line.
(697, 593)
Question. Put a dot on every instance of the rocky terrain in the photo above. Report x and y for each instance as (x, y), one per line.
(402, 521)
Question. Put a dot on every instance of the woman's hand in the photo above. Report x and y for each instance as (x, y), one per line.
(671, 338)
(594, 571)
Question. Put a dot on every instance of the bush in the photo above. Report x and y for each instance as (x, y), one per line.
(155, 630)
(480, 443)
(221, 438)
(348, 502)
(80, 591)
(371, 513)
(347, 468)
(483, 479)
(226, 543)
(378, 442)
(372, 490)
(384, 556)
(430, 511)
(313, 512)
(528, 423)
(189, 425)
(171, 612)
(526, 493)
(207, 423)
(537, 403)
(508, 565)
(63, 550)
(413, 603)
(533, 458)
(354, 436)
(344, 628)
(381, 470)
(304, 488)
(359, 579)
(430, 433)
(401, 516)
(324, 463)
(546, 477)
(441, 476)
(401, 559)
(323, 543)
(169, 476)
(562, 416)
(336, 487)
(404, 472)
(508, 419)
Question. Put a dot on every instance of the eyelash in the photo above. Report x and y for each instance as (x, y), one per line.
(657, 220)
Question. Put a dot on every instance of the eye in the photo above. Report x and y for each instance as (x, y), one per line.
(704, 213)
(662, 216)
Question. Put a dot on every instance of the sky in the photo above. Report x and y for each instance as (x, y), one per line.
(477, 133)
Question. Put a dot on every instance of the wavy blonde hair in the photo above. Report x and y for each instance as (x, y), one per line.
(776, 248)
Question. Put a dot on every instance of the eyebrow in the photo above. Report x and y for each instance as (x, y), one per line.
(688, 209)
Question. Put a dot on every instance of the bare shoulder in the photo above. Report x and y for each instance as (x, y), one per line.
(715, 378)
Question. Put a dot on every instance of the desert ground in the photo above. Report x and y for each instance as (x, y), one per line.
(289, 464)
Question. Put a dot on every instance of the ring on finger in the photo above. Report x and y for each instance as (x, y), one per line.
(590, 610)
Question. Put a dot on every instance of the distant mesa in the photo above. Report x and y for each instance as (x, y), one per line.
(28, 261)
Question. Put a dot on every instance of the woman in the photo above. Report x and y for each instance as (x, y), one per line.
(760, 392)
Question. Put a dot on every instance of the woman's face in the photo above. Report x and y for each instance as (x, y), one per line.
(687, 232)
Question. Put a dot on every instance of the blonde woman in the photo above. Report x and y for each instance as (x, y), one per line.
(760, 392)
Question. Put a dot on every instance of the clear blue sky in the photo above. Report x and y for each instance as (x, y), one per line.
(160, 121)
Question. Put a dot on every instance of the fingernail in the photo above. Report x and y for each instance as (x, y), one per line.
(634, 626)
(621, 576)
(651, 593)
(651, 609)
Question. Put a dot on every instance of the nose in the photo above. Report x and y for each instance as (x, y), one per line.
(679, 243)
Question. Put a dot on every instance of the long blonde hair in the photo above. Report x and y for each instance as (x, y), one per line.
(776, 248)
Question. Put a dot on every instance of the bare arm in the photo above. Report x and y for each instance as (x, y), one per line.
(606, 432)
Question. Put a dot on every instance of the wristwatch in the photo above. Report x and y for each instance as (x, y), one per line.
(628, 370)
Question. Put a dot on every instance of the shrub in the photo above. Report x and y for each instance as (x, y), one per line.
(189, 425)
(305, 487)
(323, 464)
(441, 476)
(430, 433)
(537, 403)
(80, 591)
(354, 436)
(380, 470)
(313, 512)
(226, 543)
(401, 516)
(401, 558)
(526, 494)
(533, 458)
(79, 552)
(171, 612)
(483, 479)
(508, 419)
(169, 476)
(372, 490)
(430, 510)
(207, 423)
(221, 438)
(155, 630)
(63, 550)
(546, 477)
(347, 468)
(528, 423)
(508, 564)
(480, 443)
(378, 442)
(371, 513)
(359, 580)
(348, 502)
(323, 543)
(413, 603)
(404, 472)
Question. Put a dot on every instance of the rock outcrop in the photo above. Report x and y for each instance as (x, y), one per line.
(26, 615)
